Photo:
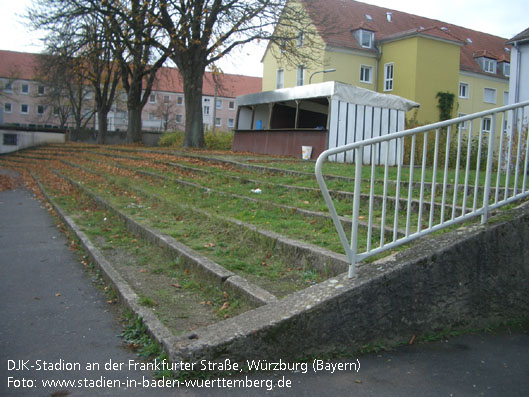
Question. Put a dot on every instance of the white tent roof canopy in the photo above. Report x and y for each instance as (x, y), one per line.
(329, 89)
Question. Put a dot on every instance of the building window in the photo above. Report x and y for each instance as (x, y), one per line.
(366, 39)
(152, 98)
(388, 77)
(218, 122)
(506, 69)
(8, 87)
(179, 118)
(219, 104)
(206, 109)
(300, 79)
(166, 99)
(180, 100)
(485, 124)
(41, 90)
(230, 123)
(464, 123)
(24, 88)
(280, 78)
(40, 109)
(300, 39)
(489, 65)
(463, 90)
(10, 139)
(152, 116)
(505, 97)
(231, 105)
(8, 108)
(24, 108)
(365, 74)
(282, 45)
(489, 95)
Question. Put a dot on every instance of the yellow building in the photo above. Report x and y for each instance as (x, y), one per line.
(397, 53)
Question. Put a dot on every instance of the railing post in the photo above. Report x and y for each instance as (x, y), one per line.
(490, 155)
(356, 209)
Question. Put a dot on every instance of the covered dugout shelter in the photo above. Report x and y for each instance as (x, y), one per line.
(322, 116)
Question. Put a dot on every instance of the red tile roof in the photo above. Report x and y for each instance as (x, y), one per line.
(23, 66)
(18, 65)
(229, 85)
(335, 19)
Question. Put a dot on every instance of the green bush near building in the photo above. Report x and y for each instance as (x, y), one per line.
(221, 140)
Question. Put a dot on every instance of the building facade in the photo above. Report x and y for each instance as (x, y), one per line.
(398, 53)
(519, 83)
(24, 100)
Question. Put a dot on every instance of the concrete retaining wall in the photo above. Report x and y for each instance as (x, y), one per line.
(12, 140)
(466, 278)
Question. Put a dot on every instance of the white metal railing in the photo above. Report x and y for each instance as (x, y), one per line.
(459, 163)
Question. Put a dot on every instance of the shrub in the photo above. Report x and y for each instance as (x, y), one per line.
(518, 146)
(474, 150)
(175, 138)
(222, 140)
(430, 149)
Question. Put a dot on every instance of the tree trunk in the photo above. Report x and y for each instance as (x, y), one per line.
(134, 109)
(102, 126)
(194, 131)
(134, 126)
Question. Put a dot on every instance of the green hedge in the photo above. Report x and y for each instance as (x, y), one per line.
(221, 140)
(175, 138)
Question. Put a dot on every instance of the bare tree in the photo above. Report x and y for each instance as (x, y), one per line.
(132, 32)
(66, 91)
(84, 37)
(194, 34)
(166, 112)
(199, 33)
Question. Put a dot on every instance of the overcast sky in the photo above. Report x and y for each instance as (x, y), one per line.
(502, 18)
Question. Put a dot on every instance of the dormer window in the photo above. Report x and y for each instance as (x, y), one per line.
(489, 65)
(366, 38)
(505, 68)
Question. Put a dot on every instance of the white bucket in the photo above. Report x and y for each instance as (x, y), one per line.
(306, 152)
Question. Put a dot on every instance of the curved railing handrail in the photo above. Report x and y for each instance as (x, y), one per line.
(351, 246)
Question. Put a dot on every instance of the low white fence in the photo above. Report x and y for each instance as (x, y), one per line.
(446, 173)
